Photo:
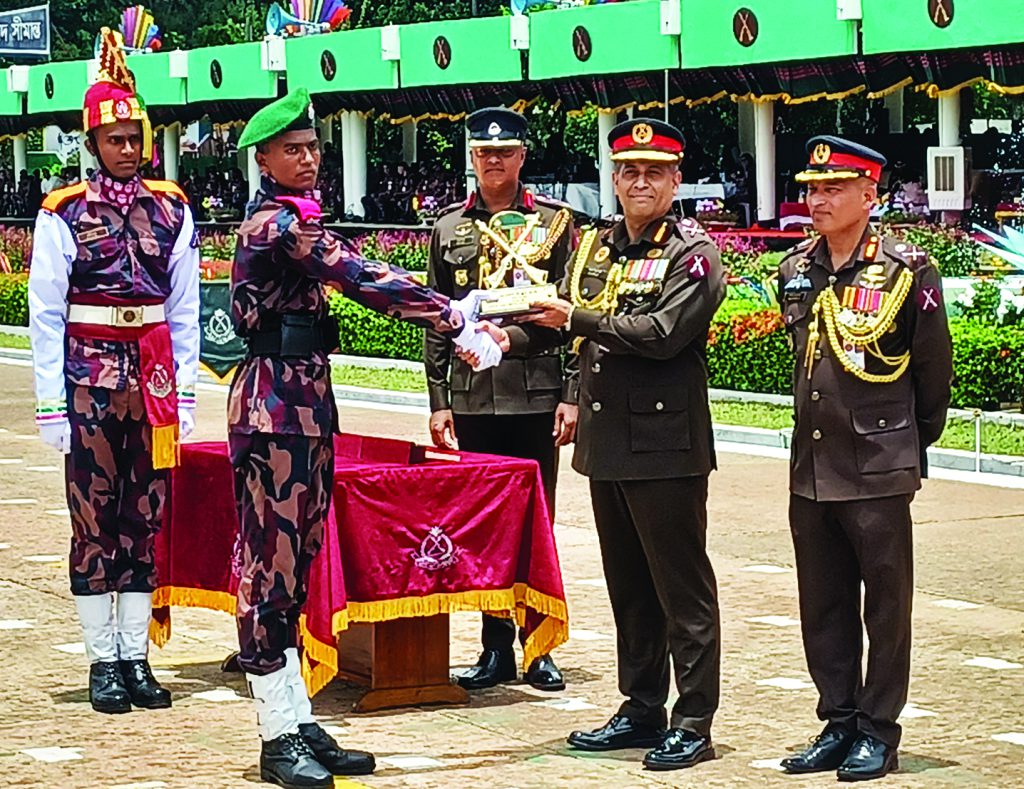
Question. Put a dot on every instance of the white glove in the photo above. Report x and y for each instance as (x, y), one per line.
(469, 304)
(479, 343)
(186, 423)
(57, 434)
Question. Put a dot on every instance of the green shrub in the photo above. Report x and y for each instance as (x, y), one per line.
(988, 364)
(750, 353)
(14, 299)
(955, 252)
(368, 333)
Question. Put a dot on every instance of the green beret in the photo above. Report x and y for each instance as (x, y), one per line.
(292, 113)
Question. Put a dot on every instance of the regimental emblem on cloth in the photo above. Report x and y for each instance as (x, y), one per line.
(159, 383)
(218, 329)
(437, 552)
(928, 299)
(697, 266)
(821, 153)
(461, 277)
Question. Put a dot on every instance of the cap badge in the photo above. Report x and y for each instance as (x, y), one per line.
(822, 153)
(122, 110)
(494, 129)
(643, 133)
(310, 112)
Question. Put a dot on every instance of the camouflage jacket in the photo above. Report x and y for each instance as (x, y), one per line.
(857, 435)
(86, 249)
(281, 267)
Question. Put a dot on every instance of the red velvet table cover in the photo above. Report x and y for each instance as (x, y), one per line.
(403, 538)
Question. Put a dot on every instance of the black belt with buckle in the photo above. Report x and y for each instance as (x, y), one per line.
(298, 336)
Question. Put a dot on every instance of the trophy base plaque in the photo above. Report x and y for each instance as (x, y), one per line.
(512, 302)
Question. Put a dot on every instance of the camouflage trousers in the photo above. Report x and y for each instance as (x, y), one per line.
(282, 492)
(115, 497)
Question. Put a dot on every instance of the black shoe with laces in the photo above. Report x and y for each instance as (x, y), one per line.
(142, 686)
(826, 753)
(681, 748)
(107, 692)
(289, 762)
(337, 760)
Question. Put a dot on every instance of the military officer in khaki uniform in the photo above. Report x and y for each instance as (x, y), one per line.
(501, 237)
(639, 299)
(871, 387)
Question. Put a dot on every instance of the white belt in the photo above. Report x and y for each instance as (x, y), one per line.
(133, 315)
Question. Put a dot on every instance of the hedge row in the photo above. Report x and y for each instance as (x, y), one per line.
(746, 351)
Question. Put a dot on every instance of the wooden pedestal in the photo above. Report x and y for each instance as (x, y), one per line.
(403, 662)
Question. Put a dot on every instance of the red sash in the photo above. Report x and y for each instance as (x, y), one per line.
(159, 388)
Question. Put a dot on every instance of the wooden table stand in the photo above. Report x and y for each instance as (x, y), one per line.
(403, 662)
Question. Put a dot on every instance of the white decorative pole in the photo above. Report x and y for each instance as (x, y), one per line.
(894, 104)
(764, 157)
(172, 148)
(409, 141)
(606, 195)
(20, 142)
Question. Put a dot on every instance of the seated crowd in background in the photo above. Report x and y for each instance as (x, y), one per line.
(23, 196)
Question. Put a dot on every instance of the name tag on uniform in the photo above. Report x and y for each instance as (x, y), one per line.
(93, 234)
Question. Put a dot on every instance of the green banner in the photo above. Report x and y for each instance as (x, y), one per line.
(220, 349)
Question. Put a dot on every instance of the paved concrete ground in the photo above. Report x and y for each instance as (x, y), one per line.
(965, 727)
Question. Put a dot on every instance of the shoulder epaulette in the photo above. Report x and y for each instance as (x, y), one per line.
(165, 187)
(58, 197)
(690, 227)
(550, 202)
(449, 208)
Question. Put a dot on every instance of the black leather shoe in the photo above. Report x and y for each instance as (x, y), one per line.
(142, 686)
(544, 674)
(869, 758)
(229, 665)
(335, 759)
(618, 733)
(494, 666)
(827, 752)
(107, 692)
(680, 749)
(289, 762)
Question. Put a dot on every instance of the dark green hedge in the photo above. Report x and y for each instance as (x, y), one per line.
(988, 364)
(14, 299)
(368, 333)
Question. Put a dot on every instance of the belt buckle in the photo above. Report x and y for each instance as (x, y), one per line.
(129, 317)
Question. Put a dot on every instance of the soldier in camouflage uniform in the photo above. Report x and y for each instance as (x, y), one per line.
(114, 300)
(522, 407)
(281, 416)
(871, 389)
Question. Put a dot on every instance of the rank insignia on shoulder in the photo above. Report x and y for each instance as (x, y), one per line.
(461, 277)
(802, 266)
(929, 299)
(871, 248)
(697, 267)
(798, 284)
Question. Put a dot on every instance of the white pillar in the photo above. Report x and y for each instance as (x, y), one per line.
(894, 104)
(605, 123)
(252, 171)
(949, 119)
(745, 125)
(409, 142)
(326, 130)
(20, 143)
(470, 174)
(171, 151)
(86, 161)
(353, 158)
(764, 157)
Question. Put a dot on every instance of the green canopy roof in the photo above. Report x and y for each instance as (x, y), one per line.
(346, 61)
(57, 87)
(916, 25)
(745, 32)
(153, 79)
(228, 73)
(592, 40)
(463, 51)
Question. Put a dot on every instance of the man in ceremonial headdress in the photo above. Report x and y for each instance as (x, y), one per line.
(502, 236)
(871, 388)
(114, 304)
(281, 417)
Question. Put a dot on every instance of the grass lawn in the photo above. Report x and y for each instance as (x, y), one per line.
(959, 434)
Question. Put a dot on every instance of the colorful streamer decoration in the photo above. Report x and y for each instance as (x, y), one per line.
(138, 30)
(304, 17)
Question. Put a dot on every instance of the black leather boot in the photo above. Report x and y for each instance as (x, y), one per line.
(494, 666)
(289, 762)
(331, 756)
(107, 692)
(142, 686)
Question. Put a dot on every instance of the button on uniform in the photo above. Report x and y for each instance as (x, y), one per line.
(816, 435)
(815, 395)
(596, 407)
(659, 406)
(595, 368)
(882, 423)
